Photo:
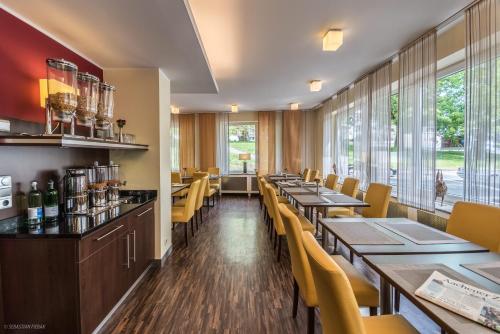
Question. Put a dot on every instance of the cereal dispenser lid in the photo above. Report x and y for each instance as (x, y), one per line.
(61, 64)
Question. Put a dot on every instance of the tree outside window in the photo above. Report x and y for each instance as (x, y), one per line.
(242, 139)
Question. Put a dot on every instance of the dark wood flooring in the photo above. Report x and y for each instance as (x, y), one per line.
(226, 281)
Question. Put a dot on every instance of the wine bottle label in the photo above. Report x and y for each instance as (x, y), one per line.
(35, 213)
(51, 211)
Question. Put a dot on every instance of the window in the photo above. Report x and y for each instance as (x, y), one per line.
(393, 175)
(242, 139)
(450, 107)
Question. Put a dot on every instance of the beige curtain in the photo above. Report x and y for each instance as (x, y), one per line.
(292, 140)
(267, 141)
(206, 123)
(187, 140)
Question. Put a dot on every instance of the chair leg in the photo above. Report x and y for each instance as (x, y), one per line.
(196, 220)
(335, 244)
(192, 228)
(279, 247)
(373, 311)
(201, 215)
(295, 298)
(397, 300)
(310, 320)
(186, 233)
(275, 239)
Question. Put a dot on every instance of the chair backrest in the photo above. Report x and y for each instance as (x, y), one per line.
(259, 183)
(331, 181)
(273, 207)
(350, 187)
(263, 183)
(378, 196)
(339, 312)
(200, 175)
(190, 171)
(300, 264)
(306, 174)
(313, 175)
(191, 198)
(477, 223)
(201, 192)
(176, 177)
(214, 171)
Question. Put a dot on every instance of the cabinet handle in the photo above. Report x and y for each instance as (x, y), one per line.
(134, 246)
(128, 251)
(140, 214)
(108, 234)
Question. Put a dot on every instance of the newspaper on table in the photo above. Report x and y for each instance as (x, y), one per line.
(473, 303)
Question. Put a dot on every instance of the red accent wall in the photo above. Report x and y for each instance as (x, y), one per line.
(23, 51)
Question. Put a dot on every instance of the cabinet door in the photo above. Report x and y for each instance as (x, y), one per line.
(104, 278)
(143, 239)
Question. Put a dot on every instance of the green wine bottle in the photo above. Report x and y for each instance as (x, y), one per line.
(35, 213)
(51, 204)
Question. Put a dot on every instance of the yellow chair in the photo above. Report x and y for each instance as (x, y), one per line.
(279, 229)
(176, 178)
(477, 223)
(349, 188)
(184, 214)
(366, 294)
(306, 174)
(216, 184)
(339, 311)
(209, 192)
(191, 170)
(313, 175)
(331, 181)
(378, 196)
(199, 200)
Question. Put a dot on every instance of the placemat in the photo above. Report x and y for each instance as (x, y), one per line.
(421, 234)
(489, 270)
(296, 190)
(310, 199)
(342, 199)
(361, 234)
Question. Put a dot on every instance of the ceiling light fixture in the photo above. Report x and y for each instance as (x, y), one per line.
(333, 39)
(234, 108)
(294, 106)
(315, 85)
(174, 109)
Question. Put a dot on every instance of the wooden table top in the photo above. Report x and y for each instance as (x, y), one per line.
(408, 272)
(306, 190)
(178, 187)
(210, 177)
(366, 242)
(329, 200)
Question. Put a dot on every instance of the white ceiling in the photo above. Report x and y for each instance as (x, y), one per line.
(264, 52)
(126, 33)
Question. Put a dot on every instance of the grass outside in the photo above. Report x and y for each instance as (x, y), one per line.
(237, 147)
(446, 159)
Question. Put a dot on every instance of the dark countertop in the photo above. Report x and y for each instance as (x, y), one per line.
(77, 226)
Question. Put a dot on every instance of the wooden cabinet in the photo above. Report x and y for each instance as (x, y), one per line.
(72, 284)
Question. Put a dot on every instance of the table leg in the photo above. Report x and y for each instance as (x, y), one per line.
(385, 297)
(324, 239)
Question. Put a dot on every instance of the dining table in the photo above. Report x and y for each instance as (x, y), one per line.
(408, 272)
(176, 187)
(392, 237)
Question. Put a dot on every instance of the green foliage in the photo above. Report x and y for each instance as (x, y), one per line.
(450, 105)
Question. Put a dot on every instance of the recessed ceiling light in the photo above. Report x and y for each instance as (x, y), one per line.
(174, 109)
(234, 108)
(315, 85)
(294, 106)
(333, 39)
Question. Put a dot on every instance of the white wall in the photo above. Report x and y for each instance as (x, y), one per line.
(142, 98)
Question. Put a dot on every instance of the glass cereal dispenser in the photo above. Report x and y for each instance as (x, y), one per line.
(62, 92)
(105, 106)
(86, 110)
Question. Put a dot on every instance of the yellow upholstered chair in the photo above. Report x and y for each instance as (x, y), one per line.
(306, 174)
(209, 192)
(331, 181)
(199, 199)
(349, 188)
(216, 184)
(339, 311)
(176, 178)
(313, 175)
(378, 196)
(366, 294)
(184, 214)
(191, 170)
(477, 223)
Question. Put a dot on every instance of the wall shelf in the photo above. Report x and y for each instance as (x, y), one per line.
(68, 141)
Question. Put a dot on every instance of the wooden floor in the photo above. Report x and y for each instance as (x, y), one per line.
(226, 281)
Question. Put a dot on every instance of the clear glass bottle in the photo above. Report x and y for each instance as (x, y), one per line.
(35, 212)
(51, 204)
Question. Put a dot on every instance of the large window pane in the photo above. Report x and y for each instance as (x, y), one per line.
(394, 143)
(242, 139)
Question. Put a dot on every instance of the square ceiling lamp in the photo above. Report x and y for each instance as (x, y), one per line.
(315, 85)
(174, 109)
(294, 106)
(333, 39)
(234, 108)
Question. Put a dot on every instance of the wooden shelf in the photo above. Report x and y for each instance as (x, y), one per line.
(68, 141)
